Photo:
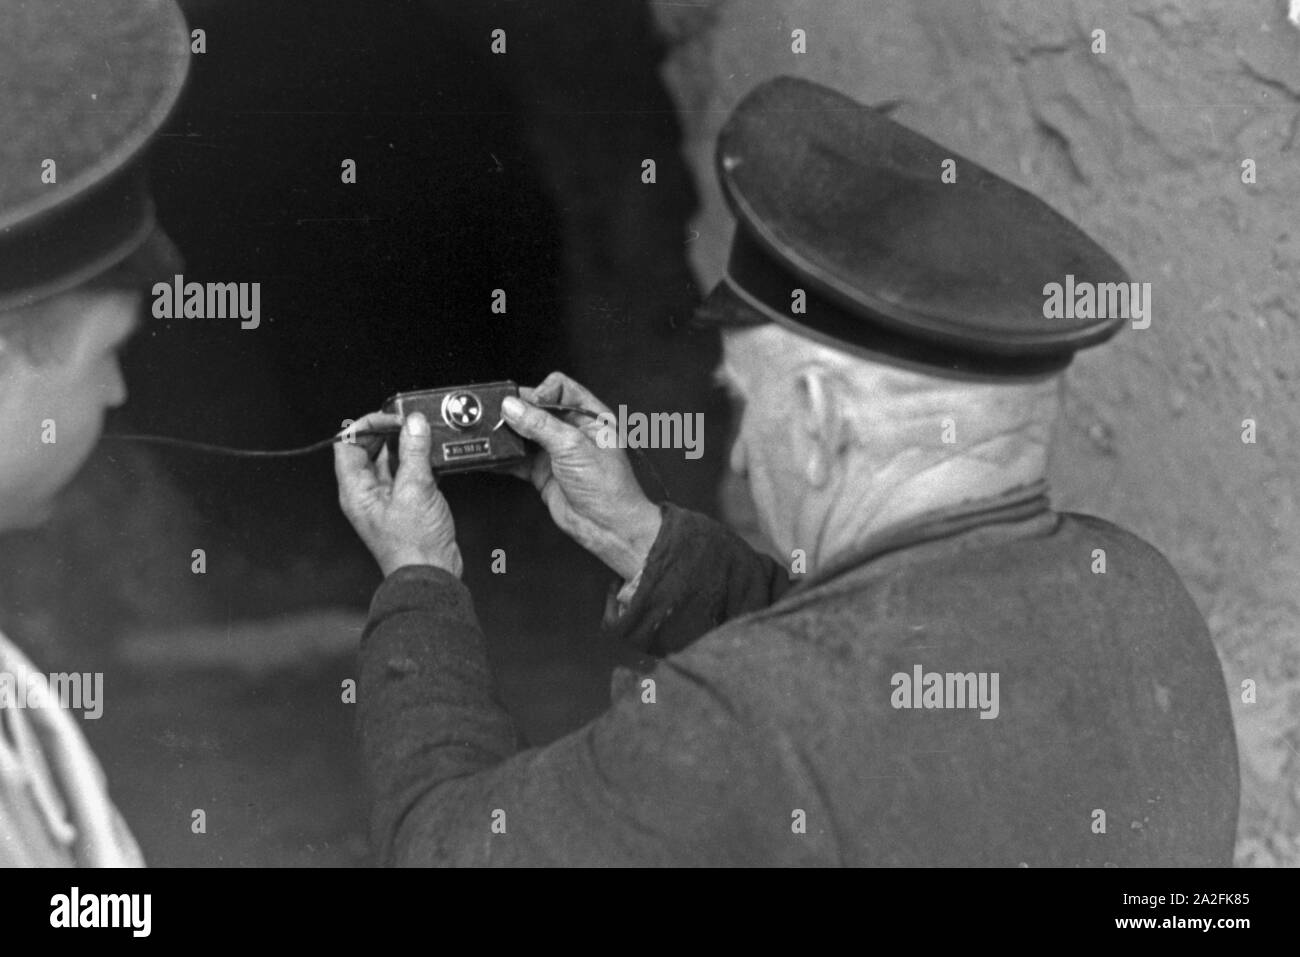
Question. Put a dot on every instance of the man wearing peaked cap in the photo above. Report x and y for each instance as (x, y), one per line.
(897, 262)
(83, 89)
(941, 669)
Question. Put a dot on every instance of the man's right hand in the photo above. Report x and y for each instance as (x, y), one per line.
(591, 492)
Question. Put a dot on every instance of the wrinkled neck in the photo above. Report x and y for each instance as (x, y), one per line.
(868, 502)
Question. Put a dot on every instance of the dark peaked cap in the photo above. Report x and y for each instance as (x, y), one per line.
(85, 83)
(837, 199)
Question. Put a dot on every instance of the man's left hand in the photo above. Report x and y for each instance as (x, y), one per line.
(403, 519)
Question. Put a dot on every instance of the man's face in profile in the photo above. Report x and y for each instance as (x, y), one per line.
(60, 391)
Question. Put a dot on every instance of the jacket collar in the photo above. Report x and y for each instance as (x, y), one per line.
(1019, 512)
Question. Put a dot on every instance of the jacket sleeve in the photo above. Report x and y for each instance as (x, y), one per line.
(678, 775)
(698, 575)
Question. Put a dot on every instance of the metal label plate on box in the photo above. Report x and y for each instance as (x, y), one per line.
(468, 449)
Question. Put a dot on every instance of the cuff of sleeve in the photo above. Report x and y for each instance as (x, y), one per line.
(419, 588)
(672, 569)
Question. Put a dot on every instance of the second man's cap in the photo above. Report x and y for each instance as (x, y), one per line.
(84, 86)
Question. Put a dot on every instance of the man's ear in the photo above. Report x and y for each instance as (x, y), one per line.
(820, 423)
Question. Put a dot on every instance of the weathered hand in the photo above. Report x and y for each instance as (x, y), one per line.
(591, 492)
(403, 519)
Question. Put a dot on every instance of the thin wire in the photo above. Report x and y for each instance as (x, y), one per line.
(345, 435)
(213, 449)
(249, 453)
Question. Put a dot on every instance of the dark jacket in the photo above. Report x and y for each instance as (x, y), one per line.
(777, 733)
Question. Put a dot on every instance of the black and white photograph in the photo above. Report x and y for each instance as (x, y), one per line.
(637, 433)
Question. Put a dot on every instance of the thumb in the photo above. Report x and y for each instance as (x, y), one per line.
(414, 473)
(540, 426)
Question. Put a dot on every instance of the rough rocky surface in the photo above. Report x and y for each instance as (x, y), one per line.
(1143, 146)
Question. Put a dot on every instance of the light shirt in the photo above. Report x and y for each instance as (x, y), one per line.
(54, 806)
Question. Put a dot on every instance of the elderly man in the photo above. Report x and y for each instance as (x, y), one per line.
(945, 671)
(83, 88)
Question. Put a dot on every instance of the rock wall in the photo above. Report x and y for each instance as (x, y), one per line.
(1143, 145)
